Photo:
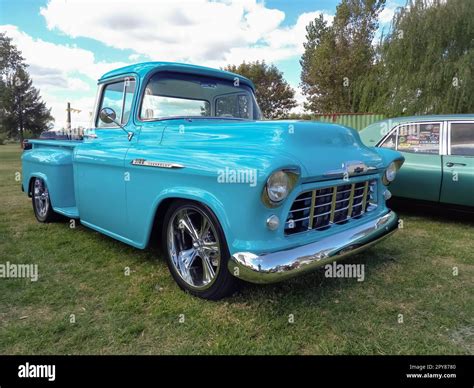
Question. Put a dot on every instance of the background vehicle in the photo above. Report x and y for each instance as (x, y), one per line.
(60, 135)
(439, 156)
(180, 147)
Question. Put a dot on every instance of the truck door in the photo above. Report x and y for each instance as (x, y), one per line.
(458, 164)
(99, 163)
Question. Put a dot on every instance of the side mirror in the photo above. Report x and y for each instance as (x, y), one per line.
(107, 115)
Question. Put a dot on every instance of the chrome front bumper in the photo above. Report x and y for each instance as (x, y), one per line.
(277, 266)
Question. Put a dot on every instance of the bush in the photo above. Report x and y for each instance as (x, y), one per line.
(27, 134)
(3, 138)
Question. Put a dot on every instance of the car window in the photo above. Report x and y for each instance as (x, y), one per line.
(162, 106)
(175, 95)
(419, 138)
(390, 141)
(118, 96)
(233, 105)
(462, 139)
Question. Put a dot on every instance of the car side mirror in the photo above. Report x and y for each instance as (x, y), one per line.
(108, 116)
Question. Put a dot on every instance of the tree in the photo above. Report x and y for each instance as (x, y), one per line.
(338, 56)
(274, 95)
(10, 56)
(21, 106)
(24, 109)
(425, 63)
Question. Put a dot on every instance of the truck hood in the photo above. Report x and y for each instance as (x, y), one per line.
(317, 148)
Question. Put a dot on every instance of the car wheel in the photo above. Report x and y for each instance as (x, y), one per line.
(196, 251)
(41, 202)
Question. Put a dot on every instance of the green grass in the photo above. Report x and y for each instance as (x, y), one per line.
(82, 273)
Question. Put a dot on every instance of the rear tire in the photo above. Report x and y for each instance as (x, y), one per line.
(41, 202)
(196, 251)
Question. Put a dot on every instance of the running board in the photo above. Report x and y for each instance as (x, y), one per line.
(70, 212)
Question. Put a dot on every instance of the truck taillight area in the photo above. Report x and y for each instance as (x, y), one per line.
(26, 145)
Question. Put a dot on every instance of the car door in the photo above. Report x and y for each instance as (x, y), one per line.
(458, 164)
(421, 174)
(99, 163)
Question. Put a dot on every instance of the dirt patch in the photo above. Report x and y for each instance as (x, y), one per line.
(464, 337)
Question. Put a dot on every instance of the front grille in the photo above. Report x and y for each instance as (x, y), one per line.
(320, 209)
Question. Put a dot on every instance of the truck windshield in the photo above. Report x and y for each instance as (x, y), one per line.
(171, 95)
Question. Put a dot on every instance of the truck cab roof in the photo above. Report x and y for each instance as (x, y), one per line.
(145, 68)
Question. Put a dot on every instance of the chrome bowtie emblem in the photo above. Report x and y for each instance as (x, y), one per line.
(354, 168)
(349, 169)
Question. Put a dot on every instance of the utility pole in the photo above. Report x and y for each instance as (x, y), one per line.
(68, 119)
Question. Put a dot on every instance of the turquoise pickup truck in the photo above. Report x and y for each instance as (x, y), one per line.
(180, 154)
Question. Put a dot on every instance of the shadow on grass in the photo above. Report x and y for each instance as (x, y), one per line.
(315, 285)
(433, 211)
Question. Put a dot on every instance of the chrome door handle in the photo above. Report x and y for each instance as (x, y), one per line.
(451, 164)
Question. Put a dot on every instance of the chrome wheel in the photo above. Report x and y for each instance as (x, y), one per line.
(41, 198)
(193, 246)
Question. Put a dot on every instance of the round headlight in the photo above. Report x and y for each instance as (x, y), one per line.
(391, 172)
(278, 186)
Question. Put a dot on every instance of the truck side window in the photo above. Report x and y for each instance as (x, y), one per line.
(118, 96)
(462, 139)
(419, 138)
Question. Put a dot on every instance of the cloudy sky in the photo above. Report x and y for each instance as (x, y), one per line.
(69, 44)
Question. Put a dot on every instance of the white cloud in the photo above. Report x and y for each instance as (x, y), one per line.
(58, 70)
(78, 85)
(300, 99)
(55, 60)
(134, 57)
(205, 32)
(387, 13)
(49, 57)
(294, 36)
(58, 109)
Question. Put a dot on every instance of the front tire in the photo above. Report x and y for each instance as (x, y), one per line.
(41, 202)
(196, 251)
